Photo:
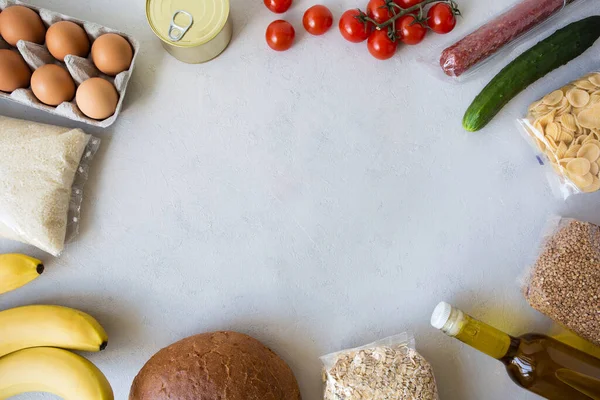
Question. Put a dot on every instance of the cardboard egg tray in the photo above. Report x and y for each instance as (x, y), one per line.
(81, 69)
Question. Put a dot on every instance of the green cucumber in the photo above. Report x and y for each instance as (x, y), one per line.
(561, 47)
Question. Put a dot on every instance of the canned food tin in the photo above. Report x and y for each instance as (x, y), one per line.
(193, 31)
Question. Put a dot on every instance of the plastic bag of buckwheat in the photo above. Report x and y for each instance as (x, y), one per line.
(564, 282)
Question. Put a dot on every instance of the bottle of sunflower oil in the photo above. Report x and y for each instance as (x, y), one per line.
(535, 362)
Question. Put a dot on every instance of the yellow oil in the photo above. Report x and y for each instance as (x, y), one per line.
(538, 363)
(483, 337)
(573, 340)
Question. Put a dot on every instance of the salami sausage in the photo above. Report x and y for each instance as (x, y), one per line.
(488, 39)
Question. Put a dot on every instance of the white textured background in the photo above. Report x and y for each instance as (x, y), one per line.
(317, 199)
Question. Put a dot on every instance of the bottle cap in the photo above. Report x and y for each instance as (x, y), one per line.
(441, 315)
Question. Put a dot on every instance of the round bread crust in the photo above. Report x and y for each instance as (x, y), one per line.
(215, 366)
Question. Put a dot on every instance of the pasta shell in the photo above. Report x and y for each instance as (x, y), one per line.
(562, 150)
(565, 137)
(572, 152)
(568, 122)
(595, 79)
(594, 99)
(585, 84)
(590, 118)
(546, 119)
(579, 167)
(564, 110)
(580, 139)
(594, 168)
(555, 97)
(594, 187)
(534, 105)
(578, 98)
(582, 181)
(553, 131)
(593, 141)
(564, 161)
(589, 151)
(566, 89)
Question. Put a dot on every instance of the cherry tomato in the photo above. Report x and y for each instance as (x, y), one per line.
(352, 29)
(278, 6)
(317, 20)
(410, 31)
(407, 3)
(380, 46)
(440, 18)
(378, 10)
(280, 35)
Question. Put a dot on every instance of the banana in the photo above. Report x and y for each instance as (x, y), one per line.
(52, 326)
(17, 270)
(57, 371)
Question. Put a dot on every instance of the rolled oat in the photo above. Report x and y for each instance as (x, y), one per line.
(564, 283)
(381, 371)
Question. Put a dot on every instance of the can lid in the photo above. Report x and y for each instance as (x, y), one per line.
(187, 23)
(440, 315)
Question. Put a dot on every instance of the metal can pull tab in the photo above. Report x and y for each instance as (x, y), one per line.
(176, 32)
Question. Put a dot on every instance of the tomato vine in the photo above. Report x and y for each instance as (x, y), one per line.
(397, 12)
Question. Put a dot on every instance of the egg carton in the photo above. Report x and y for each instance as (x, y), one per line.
(81, 69)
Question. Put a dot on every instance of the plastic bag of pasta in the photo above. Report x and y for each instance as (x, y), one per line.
(564, 127)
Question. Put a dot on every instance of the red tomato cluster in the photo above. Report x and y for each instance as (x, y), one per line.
(410, 26)
(280, 34)
(385, 23)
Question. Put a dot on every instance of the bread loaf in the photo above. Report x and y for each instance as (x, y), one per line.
(215, 366)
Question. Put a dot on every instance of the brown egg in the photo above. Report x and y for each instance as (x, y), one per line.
(112, 54)
(65, 38)
(52, 85)
(21, 23)
(14, 72)
(97, 98)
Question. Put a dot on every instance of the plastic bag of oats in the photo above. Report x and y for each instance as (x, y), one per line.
(564, 282)
(42, 172)
(389, 369)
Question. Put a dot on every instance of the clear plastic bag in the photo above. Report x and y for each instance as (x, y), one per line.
(521, 24)
(42, 172)
(389, 369)
(564, 129)
(564, 282)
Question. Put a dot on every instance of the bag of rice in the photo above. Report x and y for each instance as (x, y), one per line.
(42, 171)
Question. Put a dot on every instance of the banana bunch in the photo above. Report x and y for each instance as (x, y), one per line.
(33, 340)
